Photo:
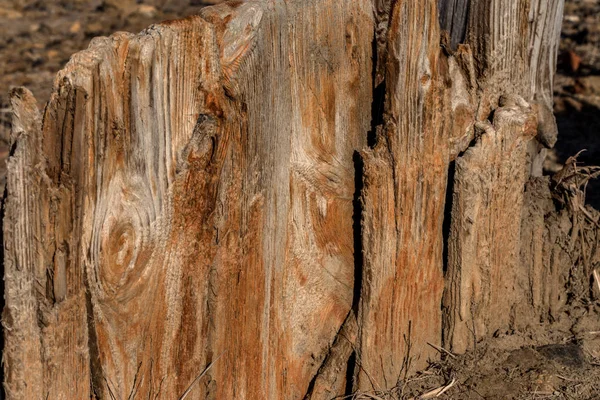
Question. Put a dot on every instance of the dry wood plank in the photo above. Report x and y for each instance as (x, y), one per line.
(201, 181)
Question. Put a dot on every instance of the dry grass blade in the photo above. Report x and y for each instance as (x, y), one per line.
(441, 350)
(368, 396)
(447, 387)
(572, 177)
(597, 279)
(437, 392)
(432, 393)
(189, 389)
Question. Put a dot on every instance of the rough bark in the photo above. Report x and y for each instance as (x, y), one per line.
(300, 194)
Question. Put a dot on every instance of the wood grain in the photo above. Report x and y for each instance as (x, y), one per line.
(487, 209)
(300, 194)
(201, 183)
(483, 250)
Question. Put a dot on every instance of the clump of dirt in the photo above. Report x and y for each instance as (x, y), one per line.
(559, 361)
(512, 367)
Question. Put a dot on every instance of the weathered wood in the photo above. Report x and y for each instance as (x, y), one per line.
(483, 249)
(545, 256)
(334, 377)
(453, 15)
(203, 193)
(404, 185)
(435, 96)
(486, 284)
(193, 163)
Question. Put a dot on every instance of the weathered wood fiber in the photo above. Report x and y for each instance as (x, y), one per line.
(453, 16)
(382, 10)
(41, 293)
(434, 97)
(483, 249)
(485, 281)
(427, 111)
(193, 197)
(544, 256)
(201, 181)
(545, 21)
(332, 378)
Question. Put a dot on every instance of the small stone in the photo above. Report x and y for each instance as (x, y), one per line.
(122, 5)
(75, 28)
(146, 11)
(589, 84)
(10, 14)
(572, 18)
(94, 29)
(52, 54)
(574, 60)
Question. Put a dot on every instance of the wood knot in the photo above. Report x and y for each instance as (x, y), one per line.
(121, 234)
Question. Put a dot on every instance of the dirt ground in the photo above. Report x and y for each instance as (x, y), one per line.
(560, 360)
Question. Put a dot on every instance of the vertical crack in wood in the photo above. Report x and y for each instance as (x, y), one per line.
(382, 13)
(97, 382)
(2, 271)
(383, 10)
(357, 229)
(447, 214)
(378, 71)
(453, 17)
(482, 275)
(259, 216)
(335, 375)
(404, 184)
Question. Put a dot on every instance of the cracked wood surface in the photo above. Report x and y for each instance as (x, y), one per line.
(195, 193)
(183, 168)
(439, 86)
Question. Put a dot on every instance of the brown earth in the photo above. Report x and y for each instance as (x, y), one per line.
(558, 358)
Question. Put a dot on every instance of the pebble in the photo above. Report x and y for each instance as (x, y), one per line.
(52, 54)
(590, 84)
(146, 11)
(75, 28)
(94, 29)
(572, 18)
(10, 14)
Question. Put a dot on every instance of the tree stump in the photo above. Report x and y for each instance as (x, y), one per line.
(275, 199)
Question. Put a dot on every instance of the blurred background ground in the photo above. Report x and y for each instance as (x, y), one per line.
(38, 37)
(577, 88)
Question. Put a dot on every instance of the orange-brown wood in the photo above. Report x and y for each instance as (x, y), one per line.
(276, 199)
